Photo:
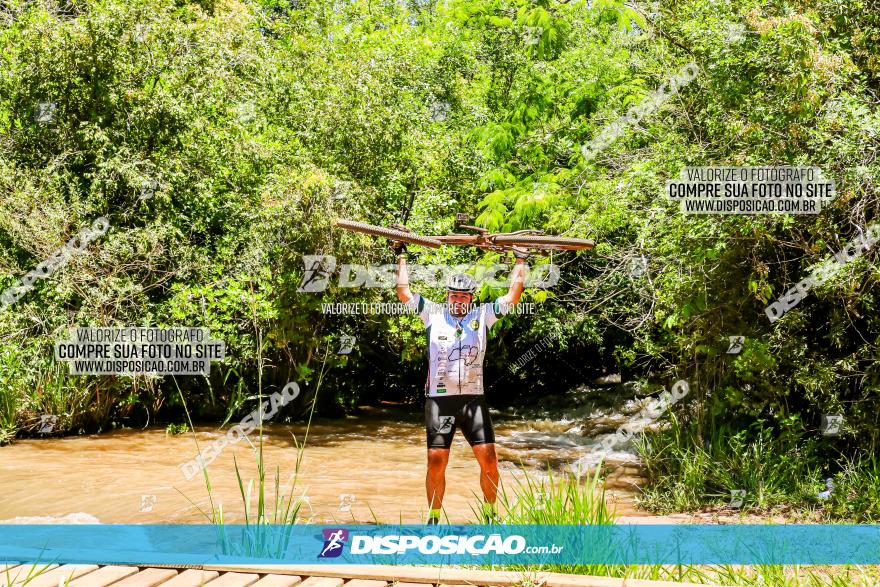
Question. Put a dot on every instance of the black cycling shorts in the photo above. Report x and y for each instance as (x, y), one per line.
(467, 412)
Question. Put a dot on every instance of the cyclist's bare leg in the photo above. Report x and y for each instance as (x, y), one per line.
(488, 460)
(435, 480)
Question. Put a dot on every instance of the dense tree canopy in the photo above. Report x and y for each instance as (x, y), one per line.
(221, 139)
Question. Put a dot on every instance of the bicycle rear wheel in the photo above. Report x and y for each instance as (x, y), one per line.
(456, 239)
(389, 233)
(559, 243)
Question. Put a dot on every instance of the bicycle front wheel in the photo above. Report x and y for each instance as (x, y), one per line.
(538, 241)
(389, 233)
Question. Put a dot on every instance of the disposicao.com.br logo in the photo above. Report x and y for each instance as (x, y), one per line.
(477, 545)
(318, 272)
(334, 542)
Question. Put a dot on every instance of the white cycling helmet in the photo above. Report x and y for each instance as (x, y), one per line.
(461, 283)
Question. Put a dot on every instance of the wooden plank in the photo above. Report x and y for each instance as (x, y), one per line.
(278, 581)
(23, 573)
(235, 580)
(404, 584)
(451, 576)
(191, 578)
(322, 582)
(148, 578)
(104, 576)
(60, 575)
(366, 583)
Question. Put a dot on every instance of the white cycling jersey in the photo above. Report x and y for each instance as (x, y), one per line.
(456, 346)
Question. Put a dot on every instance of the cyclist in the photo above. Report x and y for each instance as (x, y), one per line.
(457, 334)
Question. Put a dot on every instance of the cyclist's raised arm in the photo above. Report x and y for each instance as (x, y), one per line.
(416, 303)
(404, 293)
(517, 280)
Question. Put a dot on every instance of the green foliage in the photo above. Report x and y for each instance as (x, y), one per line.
(560, 500)
(856, 493)
(564, 500)
(175, 429)
(687, 469)
(260, 122)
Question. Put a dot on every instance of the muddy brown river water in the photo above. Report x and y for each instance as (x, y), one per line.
(368, 468)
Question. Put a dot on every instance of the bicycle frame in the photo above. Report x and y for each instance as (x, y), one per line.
(486, 240)
(533, 241)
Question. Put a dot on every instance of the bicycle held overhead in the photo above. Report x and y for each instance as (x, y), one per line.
(532, 241)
